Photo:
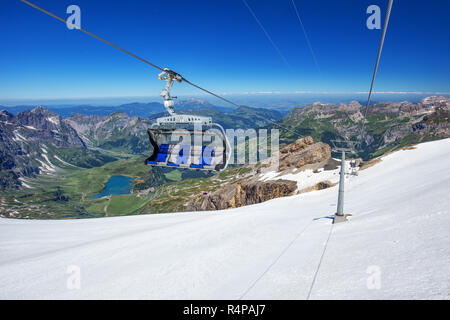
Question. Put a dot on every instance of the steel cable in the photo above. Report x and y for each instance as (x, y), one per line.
(151, 64)
(383, 35)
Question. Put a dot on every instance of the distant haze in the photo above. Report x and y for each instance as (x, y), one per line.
(257, 99)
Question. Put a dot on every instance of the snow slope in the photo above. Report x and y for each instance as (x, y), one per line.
(397, 245)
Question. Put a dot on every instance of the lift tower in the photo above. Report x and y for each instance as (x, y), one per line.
(342, 146)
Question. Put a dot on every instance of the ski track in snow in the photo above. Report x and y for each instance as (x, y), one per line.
(400, 227)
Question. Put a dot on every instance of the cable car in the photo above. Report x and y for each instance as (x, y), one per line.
(186, 141)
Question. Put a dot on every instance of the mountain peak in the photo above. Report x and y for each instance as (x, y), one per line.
(43, 111)
(435, 99)
(354, 103)
(119, 114)
(193, 100)
(5, 115)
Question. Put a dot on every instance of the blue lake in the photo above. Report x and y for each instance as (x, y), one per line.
(115, 186)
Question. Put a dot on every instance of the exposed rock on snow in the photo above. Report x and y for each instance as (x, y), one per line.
(241, 194)
(304, 166)
(318, 186)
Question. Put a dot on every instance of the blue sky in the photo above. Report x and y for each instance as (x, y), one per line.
(219, 45)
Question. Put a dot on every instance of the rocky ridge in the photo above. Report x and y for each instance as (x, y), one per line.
(302, 155)
(117, 131)
(36, 142)
(388, 125)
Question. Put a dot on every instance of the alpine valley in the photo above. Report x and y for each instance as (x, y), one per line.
(53, 161)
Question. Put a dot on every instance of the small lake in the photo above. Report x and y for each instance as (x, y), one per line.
(115, 186)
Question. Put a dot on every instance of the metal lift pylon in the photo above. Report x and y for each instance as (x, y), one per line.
(342, 146)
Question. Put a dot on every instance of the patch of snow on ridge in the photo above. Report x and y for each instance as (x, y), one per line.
(45, 168)
(306, 178)
(86, 139)
(48, 161)
(24, 183)
(64, 162)
(19, 137)
(271, 175)
(53, 120)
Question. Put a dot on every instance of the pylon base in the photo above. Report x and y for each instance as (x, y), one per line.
(338, 219)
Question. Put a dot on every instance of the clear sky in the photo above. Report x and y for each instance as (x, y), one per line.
(219, 45)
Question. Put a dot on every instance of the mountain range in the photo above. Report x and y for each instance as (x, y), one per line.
(53, 165)
(138, 109)
(40, 141)
(387, 126)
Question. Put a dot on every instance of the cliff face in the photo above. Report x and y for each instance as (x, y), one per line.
(388, 125)
(117, 131)
(37, 142)
(303, 152)
(42, 125)
(99, 128)
(242, 194)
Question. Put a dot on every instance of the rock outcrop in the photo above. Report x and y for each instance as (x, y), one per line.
(242, 194)
(117, 131)
(389, 125)
(303, 152)
(39, 141)
(44, 126)
(318, 186)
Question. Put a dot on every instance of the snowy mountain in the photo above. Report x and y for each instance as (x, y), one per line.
(40, 142)
(396, 246)
(115, 132)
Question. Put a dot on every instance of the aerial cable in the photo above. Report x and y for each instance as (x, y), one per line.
(91, 34)
(267, 34)
(211, 93)
(306, 35)
(149, 63)
(383, 35)
(123, 50)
